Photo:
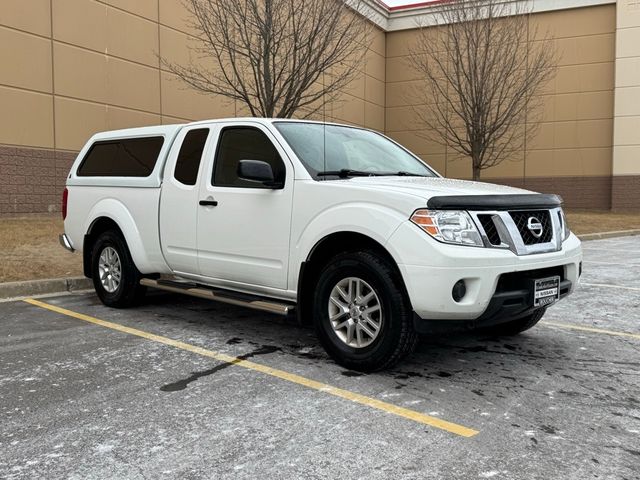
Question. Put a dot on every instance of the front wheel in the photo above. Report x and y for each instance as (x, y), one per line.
(115, 277)
(362, 315)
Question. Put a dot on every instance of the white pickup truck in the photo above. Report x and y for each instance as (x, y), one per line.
(340, 224)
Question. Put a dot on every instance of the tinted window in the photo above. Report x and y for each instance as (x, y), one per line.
(190, 155)
(130, 157)
(244, 144)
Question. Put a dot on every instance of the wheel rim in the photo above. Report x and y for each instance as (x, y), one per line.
(109, 269)
(355, 312)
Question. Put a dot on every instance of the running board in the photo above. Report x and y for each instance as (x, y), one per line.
(224, 296)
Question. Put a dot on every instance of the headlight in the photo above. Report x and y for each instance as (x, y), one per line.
(564, 224)
(448, 226)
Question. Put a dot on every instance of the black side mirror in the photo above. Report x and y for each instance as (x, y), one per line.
(258, 171)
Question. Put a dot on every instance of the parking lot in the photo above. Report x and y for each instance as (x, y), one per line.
(158, 391)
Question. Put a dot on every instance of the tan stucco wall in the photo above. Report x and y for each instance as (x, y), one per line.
(627, 104)
(575, 135)
(69, 68)
(626, 128)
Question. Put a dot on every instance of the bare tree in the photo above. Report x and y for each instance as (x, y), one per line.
(483, 68)
(277, 57)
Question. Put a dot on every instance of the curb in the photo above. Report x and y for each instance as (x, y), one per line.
(40, 287)
(614, 234)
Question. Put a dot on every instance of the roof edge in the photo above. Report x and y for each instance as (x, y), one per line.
(406, 17)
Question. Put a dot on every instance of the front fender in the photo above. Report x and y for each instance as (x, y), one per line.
(375, 221)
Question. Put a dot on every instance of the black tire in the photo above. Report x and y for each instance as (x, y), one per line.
(129, 291)
(514, 327)
(396, 337)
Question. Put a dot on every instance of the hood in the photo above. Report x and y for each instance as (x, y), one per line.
(427, 187)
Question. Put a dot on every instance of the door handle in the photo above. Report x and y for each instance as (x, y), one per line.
(209, 203)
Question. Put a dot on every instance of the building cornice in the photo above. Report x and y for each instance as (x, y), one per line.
(406, 17)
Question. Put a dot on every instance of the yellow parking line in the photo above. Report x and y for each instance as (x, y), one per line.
(290, 377)
(591, 329)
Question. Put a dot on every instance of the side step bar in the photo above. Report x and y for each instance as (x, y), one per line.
(224, 296)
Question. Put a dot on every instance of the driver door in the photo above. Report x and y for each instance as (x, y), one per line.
(244, 227)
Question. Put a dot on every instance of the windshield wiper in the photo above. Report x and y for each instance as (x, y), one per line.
(407, 174)
(346, 172)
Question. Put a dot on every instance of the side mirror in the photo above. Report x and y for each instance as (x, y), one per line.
(258, 171)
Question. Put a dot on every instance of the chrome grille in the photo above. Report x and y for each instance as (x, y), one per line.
(521, 219)
(509, 229)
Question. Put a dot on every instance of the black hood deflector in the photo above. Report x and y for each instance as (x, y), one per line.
(532, 201)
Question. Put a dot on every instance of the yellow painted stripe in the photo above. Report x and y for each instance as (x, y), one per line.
(289, 377)
(591, 329)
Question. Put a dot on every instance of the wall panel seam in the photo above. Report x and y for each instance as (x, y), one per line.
(16, 29)
(142, 17)
(102, 104)
(53, 77)
(111, 55)
(37, 147)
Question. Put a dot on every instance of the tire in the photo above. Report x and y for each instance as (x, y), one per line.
(394, 338)
(514, 327)
(109, 251)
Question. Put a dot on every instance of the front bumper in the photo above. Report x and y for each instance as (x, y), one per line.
(430, 270)
(505, 305)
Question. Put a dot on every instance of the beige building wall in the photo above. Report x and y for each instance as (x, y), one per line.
(572, 152)
(70, 68)
(626, 138)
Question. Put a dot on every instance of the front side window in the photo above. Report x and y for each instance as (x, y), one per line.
(244, 143)
(332, 148)
(127, 157)
(188, 162)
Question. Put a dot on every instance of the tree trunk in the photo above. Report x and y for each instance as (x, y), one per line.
(476, 163)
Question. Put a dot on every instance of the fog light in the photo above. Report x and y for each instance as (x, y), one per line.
(459, 290)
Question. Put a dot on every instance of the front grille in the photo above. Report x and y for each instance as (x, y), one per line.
(521, 219)
(490, 229)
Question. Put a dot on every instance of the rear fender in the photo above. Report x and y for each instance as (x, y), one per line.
(116, 211)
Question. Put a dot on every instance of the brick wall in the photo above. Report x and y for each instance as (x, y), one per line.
(577, 192)
(625, 192)
(32, 179)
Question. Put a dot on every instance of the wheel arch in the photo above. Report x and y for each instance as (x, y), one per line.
(326, 248)
(111, 214)
(98, 226)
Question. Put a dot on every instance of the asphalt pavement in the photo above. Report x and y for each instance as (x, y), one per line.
(186, 388)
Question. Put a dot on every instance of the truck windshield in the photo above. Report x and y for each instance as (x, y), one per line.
(332, 150)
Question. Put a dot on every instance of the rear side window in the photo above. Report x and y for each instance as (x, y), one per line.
(128, 157)
(188, 162)
(244, 143)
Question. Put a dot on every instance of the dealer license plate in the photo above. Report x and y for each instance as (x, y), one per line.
(546, 291)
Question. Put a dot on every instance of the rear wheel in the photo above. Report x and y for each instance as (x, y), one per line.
(362, 315)
(514, 327)
(115, 277)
